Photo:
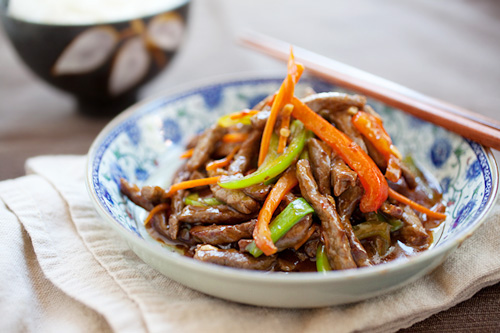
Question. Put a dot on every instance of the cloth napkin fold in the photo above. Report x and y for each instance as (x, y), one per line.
(61, 266)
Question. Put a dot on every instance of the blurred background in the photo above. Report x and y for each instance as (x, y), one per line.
(448, 49)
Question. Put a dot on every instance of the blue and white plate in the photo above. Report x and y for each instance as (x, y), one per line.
(144, 143)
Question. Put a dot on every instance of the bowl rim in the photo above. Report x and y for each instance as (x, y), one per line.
(140, 109)
(4, 5)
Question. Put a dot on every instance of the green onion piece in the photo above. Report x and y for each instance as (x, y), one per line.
(292, 214)
(195, 200)
(272, 168)
(322, 263)
(373, 229)
(396, 224)
(211, 201)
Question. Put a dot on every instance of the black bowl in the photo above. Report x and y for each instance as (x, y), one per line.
(104, 64)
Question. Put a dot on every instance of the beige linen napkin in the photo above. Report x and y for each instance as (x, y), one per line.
(61, 266)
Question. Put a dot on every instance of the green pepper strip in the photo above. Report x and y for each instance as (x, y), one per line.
(292, 214)
(195, 200)
(396, 224)
(322, 263)
(372, 229)
(272, 168)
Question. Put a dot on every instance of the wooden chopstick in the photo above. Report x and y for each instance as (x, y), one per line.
(456, 119)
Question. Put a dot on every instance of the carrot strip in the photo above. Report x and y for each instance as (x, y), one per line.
(243, 113)
(158, 208)
(188, 153)
(285, 127)
(262, 233)
(283, 97)
(306, 237)
(234, 137)
(373, 129)
(190, 184)
(223, 162)
(401, 198)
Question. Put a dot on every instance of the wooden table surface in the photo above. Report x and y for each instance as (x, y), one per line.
(446, 49)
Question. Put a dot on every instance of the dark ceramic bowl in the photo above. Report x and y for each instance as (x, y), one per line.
(104, 64)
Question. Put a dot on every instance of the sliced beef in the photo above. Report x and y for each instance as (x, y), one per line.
(258, 191)
(220, 214)
(409, 176)
(376, 156)
(222, 234)
(205, 147)
(296, 234)
(234, 198)
(347, 203)
(232, 258)
(249, 149)
(392, 210)
(343, 122)
(224, 149)
(413, 231)
(336, 241)
(259, 120)
(342, 176)
(147, 197)
(177, 204)
(319, 153)
(334, 102)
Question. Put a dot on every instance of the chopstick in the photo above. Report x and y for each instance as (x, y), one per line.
(469, 124)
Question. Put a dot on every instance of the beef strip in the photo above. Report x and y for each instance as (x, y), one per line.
(343, 122)
(258, 191)
(249, 149)
(232, 258)
(177, 203)
(347, 203)
(376, 156)
(259, 120)
(296, 234)
(220, 214)
(243, 243)
(334, 102)
(336, 242)
(159, 223)
(147, 197)
(223, 149)
(410, 178)
(319, 154)
(413, 231)
(368, 109)
(392, 210)
(233, 198)
(222, 234)
(205, 147)
(342, 176)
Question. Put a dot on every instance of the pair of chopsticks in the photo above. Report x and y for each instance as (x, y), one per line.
(471, 125)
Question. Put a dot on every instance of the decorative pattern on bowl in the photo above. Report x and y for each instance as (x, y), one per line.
(144, 146)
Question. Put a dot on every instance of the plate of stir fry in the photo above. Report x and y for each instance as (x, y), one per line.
(287, 192)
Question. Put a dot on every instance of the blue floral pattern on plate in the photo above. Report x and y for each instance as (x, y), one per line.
(145, 149)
